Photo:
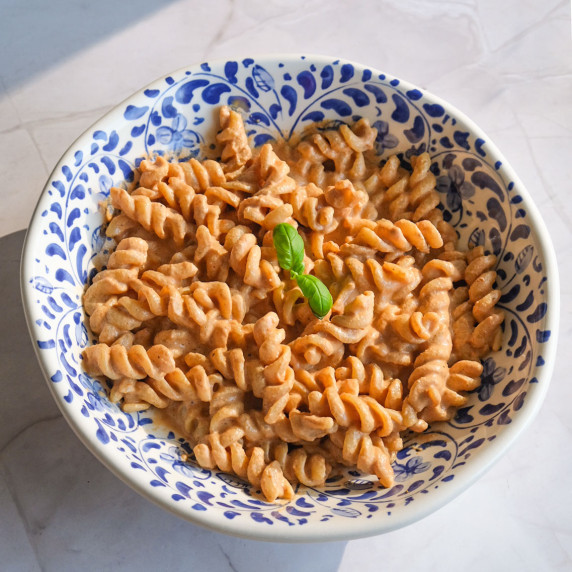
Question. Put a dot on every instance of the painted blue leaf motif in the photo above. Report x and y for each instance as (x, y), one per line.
(126, 170)
(496, 241)
(101, 433)
(264, 81)
(313, 116)
(75, 237)
(434, 109)
(513, 386)
(523, 259)
(527, 303)
(482, 180)
(339, 106)
(446, 143)
(538, 314)
(347, 73)
(55, 250)
(112, 143)
(168, 110)
(462, 415)
(184, 94)
(290, 95)
(504, 418)
(490, 409)
(415, 134)
(64, 276)
(510, 295)
(542, 336)
(477, 238)
(230, 71)
(262, 138)
(42, 285)
(61, 189)
(308, 83)
(132, 112)
(109, 164)
(126, 148)
(359, 97)
(259, 517)
(213, 92)
(257, 118)
(377, 92)
(164, 135)
(205, 497)
(460, 138)
(496, 212)
(521, 231)
(401, 112)
(470, 164)
(67, 173)
(238, 102)
(251, 87)
(327, 75)
(156, 118)
(275, 109)
(295, 512)
(136, 131)
(55, 229)
(81, 252)
(479, 147)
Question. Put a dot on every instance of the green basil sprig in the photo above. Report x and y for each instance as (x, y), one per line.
(290, 251)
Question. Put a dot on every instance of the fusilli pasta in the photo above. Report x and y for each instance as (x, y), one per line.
(194, 315)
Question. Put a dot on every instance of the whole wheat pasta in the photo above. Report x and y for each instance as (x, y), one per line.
(194, 315)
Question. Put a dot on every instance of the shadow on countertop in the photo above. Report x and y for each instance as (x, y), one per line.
(76, 513)
(36, 35)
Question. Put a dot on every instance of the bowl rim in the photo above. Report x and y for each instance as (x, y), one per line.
(362, 528)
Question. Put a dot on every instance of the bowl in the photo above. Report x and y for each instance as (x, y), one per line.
(279, 97)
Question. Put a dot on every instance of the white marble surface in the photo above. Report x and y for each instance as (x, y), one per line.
(506, 63)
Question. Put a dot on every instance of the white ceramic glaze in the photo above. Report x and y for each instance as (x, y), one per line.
(278, 96)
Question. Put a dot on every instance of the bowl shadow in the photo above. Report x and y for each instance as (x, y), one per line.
(74, 511)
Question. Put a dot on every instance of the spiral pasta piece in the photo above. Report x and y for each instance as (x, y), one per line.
(199, 175)
(211, 255)
(136, 362)
(264, 210)
(401, 236)
(481, 278)
(342, 148)
(310, 469)
(250, 465)
(123, 266)
(368, 453)
(348, 408)
(235, 149)
(152, 216)
(423, 198)
(311, 209)
(246, 260)
(278, 373)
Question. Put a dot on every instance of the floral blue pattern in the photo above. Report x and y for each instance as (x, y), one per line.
(283, 98)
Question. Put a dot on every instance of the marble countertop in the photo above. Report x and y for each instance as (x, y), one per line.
(507, 64)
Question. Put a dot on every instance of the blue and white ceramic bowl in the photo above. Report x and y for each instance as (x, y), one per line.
(279, 96)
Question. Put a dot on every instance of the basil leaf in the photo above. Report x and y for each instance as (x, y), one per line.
(319, 297)
(289, 248)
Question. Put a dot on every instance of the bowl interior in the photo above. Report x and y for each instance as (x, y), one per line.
(282, 97)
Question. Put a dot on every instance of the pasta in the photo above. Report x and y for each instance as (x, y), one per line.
(195, 316)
